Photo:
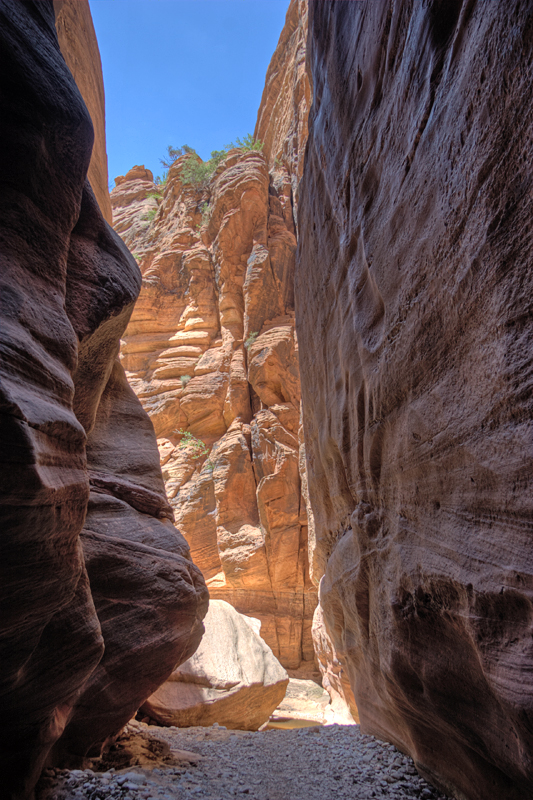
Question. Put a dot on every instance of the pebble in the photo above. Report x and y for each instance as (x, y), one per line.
(303, 764)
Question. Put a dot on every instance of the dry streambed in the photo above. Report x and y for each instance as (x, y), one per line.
(314, 763)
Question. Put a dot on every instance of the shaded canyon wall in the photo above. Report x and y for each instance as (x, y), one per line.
(98, 596)
(413, 308)
(212, 354)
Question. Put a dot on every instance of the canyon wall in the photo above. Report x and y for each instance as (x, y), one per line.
(284, 109)
(212, 354)
(77, 41)
(99, 599)
(413, 308)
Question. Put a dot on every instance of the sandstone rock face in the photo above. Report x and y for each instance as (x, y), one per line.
(232, 679)
(148, 596)
(212, 355)
(76, 448)
(77, 40)
(413, 295)
(335, 678)
(284, 110)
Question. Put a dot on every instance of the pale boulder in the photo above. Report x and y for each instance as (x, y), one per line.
(233, 679)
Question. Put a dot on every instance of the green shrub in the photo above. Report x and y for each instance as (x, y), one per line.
(161, 181)
(198, 173)
(206, 213)
(174, 153)
(188, 439)
(184, 380)
(248, 143)
(150, 214)
(251, 339)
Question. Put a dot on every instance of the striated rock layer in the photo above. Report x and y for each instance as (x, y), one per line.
(413, 305)
(98, 596)
(284, 110)
(211, 353)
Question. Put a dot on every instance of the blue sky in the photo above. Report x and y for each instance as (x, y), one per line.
(182, 72)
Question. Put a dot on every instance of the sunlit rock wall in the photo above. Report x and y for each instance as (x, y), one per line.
(284, 109)
(212, 354)
(413, 306)
(77, 40)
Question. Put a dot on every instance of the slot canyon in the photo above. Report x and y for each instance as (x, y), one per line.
(266, 451)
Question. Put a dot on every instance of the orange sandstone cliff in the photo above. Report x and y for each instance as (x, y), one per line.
(79, 48)
(212, 354)
(282, 118)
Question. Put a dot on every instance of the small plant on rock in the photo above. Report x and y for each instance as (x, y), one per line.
(198, 173)
(251, 339)
(248, 143)
(159, 187)
(184, 380)
(173, 153)
(150, 214)
(188, 439)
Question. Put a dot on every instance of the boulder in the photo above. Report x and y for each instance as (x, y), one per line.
(233, 679)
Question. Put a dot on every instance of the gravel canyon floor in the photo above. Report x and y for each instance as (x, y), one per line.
(313, 763)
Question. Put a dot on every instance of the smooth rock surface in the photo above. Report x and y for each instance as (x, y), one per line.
(335, 677)
(232, 679)
(68, 288)
(413, 296)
